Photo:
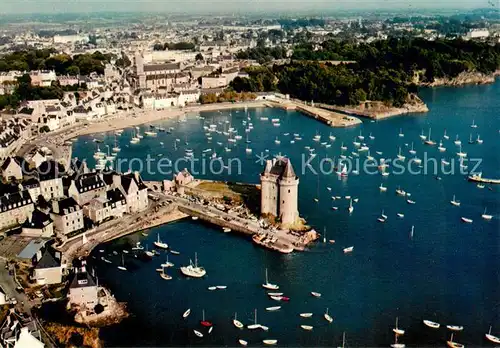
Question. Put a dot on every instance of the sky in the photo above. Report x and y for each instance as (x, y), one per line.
(213, 6)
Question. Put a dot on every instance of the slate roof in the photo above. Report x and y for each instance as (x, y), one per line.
(66, 203)
(49, 259)
(39, 220)
(89, 183)
(50, 170)
(16, 200)
(167, 66)
(82, 280)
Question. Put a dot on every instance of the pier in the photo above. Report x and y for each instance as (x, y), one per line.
(479, 178)
(329, 117)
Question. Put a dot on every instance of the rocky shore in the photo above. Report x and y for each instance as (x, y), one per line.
(465, 78)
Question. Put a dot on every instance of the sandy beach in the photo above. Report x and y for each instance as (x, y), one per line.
(137, 117)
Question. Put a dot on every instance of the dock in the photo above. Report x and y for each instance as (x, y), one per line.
(329, 117)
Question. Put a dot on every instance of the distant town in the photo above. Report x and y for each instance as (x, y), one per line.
(60, 80)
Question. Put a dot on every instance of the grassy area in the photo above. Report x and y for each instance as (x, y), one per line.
(238, 193)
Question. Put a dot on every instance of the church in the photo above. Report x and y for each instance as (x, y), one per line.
(280, 191)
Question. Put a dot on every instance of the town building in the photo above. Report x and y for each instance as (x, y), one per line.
(279, 191)
(12, 168)
(86, 187)
(83, 290)
(48, 268)
(15, 208)
(67, 216)
(38, 224)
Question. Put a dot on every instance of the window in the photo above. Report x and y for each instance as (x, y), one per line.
(288, 191)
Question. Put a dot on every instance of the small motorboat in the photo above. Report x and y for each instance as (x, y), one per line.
(348, 250)
(486, 216)
(432, 324)
(212, 288)
(455, 202)
(173, 252)
(409, 201)
(454, 327)
(327, 316)
(315, 294)
(272, 309)
(306, 315)
(275, 293)
(401, 215)
(197, 333)
(306, 327)
(221, 287)
(269, 342)
(466, 220)
(243, 342)
(210, 330)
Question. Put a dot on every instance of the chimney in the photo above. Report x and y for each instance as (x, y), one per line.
(136, 175)
(55, 206)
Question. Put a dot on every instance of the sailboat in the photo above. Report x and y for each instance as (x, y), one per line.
(193, 270)
(486, 216)
(371, 136)
(400, 156)
(455, 202)
(441, 148)
(351, 208)
(122, 266)
(412, 231)
(470, 139)
(186, 313)
(397, 330)
(254, 325)
(429, 141)
(431, 324)
(479, 140)
(460, 153)
(116, 148)
(382, 188)
(473, 125)
(237, 323)
(457, 141)
(452, 344)
(343, 340)
(412, 151)
(401, 134)
(277, 141)
(327, 316)
(331, 137)
(422, 136)
(396, 344)
(445, 136)
(324, 234)
(160, 244)
(268, 285)
(492, 338)
(204, 322)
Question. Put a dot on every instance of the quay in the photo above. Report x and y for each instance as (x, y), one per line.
(329, 117)
(479, 178)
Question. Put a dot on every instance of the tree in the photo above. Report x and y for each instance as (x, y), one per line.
(199, 57)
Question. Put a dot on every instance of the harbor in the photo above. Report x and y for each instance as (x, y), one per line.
(392, 270)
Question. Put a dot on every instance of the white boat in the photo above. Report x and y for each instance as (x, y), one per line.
(371, 136)
(401, 215)
(400, 156)
(400, 192)
(268, 285)
(429, 141)
(397, 330)
(460, 153)
(212, 288)
(479, 140)
(348, 250)
(273, 308)
(432, 324)
(409, 201)
(454, 327)
(457, 141)
(193, 270)
(210, 329)
(306, 315)
(254, 325)
(122, 266)
(466, 220)
(441, 148)
(150, 133)
(160, 244)
(237, 323)
(452, 344)
(186, 313)
(275, 293)
(164, 275)
(240, 341)
(445, 136)
(473, 125)
(221, 287)
(401, 134)
(422, 136)
(306, 327)
(396, 344)
(315, 294)
(486, 216)
(327, 316)
(382, 188)
(331, 137)
(351, 208)
(197, 333)
(226, 229)
(270, 342)
(492, 338)
(173, 252)
(455, 202)
(412, 151)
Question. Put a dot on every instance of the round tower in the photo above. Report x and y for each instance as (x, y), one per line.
(288, 195)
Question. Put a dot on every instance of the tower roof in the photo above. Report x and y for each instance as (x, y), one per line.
(289, 172)
(281, 168)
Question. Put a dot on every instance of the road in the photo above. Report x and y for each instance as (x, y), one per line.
(9, 287)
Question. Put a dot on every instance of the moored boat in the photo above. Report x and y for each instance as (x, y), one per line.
(432, 324)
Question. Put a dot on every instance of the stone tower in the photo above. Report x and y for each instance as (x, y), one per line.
(139, 69)
(279, 193)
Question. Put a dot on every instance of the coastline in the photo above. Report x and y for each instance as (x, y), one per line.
(464, 79)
